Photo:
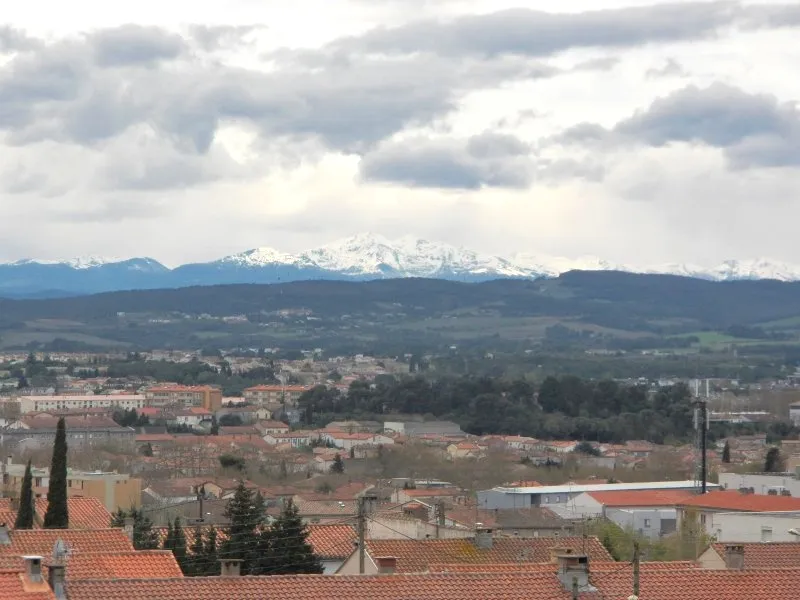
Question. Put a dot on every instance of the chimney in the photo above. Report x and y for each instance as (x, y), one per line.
(573, 573)
(55, 572)
(387, 565)
(557, 551)
(9, 460)
(5, 539)
(483, 537)
(734, 556)
(370, 502)
(230, 567)
(128, 525)
(33, 568)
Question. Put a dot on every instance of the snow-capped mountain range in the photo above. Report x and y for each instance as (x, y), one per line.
(364, 256)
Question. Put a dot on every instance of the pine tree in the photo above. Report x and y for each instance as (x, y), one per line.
(57, 515)
(196, 562)
(726, 452)
(211, 566)
(144, 538)
(214, 426)
(773, 462)
(169, 540)
(179, 544)
(245, 511)
(25, 512)
(284, 547)
(338, 465)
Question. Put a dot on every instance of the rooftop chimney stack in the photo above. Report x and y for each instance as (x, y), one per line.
(128, 525)
(230, 567)
(387, 565)
(573, 572)
(483, 537)
(557, 551)
(55, 572)
(33, 568)
(734, 557)
(5, 539)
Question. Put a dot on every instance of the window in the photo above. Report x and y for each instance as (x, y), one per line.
(647, 523)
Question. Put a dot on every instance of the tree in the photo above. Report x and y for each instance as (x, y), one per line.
(773, 462)
(169, 539)
(25, 512)
(144, 538)
(210, 564)
(228, 461)
(726, 452)
(179, 544)
(587, 448)
(57, 515)
(196, 562)
(338, 465)
(214, 426)
(284, 547)
(245, 510)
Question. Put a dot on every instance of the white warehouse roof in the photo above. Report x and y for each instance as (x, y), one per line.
(602, 487)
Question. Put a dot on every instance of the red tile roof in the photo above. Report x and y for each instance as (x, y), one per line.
(41, 541)
(770, 555)
(84, 513)
(332, 541)
(147, 564)
(599, 566)
(733, 500)
(642, 497)
(13, 586)
(415, 556)
(517, 586)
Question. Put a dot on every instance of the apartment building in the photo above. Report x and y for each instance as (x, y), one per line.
(266, 394)
(114, 490)
(204, 396)
(39, 430)
(29, 404)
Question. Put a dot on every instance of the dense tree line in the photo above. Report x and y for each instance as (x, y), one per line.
(561, 408)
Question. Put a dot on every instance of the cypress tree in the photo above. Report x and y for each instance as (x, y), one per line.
(726, 452)
(338, 465)
(57, 515)
(144, 538)
(25, 512)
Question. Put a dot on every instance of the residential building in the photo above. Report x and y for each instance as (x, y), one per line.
(704, 507)
(113, 490)
(37, 430)
(267, 394)
(558, 497)
(419, 428)
(762, 483)
(758, 527)
(417, 556)
(794, 413)
(31, 404)
(758, 555)
(333, 543)
(266, 427)
(204, 396)
(346, 441)
(556, 581)
(297, 439)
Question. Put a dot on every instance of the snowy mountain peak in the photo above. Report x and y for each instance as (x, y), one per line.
(92, 262)
(257, 257)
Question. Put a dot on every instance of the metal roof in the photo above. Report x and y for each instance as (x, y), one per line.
(602, 487)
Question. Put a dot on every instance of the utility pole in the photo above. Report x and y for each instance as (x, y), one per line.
(362, 529)
(636, 568)
(201, 492)
(701, 425)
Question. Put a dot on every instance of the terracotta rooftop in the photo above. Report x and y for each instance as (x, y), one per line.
(416, 556)
(84, 513)
(659, 583)
(150, 564)
(642, 497)
(769, 555)
(734, 500)
(599, 566)
(13, 586)
(41, 541)
(332, 541)
(516, 586)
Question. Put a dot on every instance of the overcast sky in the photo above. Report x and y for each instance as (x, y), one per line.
(639, 132)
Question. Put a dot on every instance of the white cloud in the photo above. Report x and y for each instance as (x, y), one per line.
(139, 129)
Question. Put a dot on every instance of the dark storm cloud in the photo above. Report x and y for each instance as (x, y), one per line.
(485, 160)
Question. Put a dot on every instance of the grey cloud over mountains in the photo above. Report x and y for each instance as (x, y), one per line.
(753, 130)
(123, 85)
